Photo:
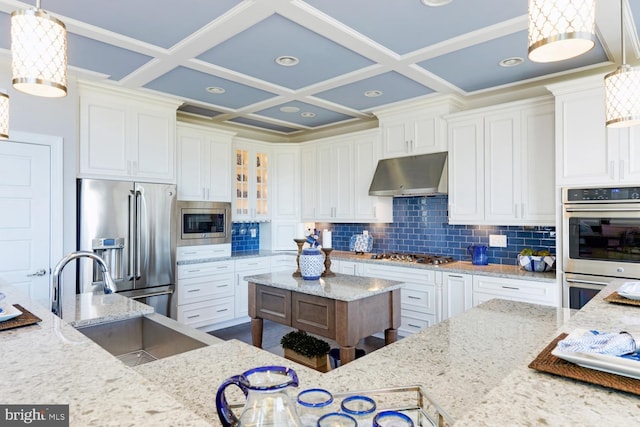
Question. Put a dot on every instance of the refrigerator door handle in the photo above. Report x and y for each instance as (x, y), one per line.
(138, 232)
(131, 239)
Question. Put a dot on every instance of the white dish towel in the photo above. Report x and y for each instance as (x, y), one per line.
(613, 344)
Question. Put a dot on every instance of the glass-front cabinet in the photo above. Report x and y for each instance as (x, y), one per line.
(251, 185)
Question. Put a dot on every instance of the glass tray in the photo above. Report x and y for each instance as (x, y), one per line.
(413, 401)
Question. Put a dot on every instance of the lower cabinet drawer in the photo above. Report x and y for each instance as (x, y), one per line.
(421, 297)
(206, 312)
(413, 321)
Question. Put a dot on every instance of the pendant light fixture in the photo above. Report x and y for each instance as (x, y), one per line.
(4, 115)
(39, 53)
(622, 89)
(560, 29)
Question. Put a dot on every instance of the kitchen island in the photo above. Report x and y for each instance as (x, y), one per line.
(343, 308)
(473, 365)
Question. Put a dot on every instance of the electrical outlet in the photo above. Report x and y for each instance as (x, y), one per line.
(498, 240)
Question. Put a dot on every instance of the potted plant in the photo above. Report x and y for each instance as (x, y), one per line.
(306, 350)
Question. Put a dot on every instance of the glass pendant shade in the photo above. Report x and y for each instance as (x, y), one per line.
(560, 29)
(39, 53)
(4, 116)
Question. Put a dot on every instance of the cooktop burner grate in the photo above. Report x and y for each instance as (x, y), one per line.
(414, 258)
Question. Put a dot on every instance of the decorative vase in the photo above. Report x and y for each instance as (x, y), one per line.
(311, 264)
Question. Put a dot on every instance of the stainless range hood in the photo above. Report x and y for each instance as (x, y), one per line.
(422, 175)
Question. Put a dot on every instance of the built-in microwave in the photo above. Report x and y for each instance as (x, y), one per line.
(203, 223)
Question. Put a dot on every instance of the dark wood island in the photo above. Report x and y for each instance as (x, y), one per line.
(342, 308)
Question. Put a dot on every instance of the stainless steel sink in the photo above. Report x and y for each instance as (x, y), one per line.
(146, 338)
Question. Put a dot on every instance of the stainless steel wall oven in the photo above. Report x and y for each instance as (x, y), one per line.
(601, 239)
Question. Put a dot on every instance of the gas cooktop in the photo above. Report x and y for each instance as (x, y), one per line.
(413, 258)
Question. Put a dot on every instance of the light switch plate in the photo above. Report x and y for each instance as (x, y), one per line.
(498, 240)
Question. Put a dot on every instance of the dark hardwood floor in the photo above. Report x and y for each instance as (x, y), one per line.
(273, 332)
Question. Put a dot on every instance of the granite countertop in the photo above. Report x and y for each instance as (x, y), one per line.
(496, 270)
(473, 365)
(341, 287)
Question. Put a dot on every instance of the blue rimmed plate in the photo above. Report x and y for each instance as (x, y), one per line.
(8, 312)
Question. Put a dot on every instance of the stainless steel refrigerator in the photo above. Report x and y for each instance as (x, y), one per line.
(130, 225)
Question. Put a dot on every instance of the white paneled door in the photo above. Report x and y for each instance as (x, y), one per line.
(25, 217)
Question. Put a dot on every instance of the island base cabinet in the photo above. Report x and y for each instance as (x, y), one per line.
(270, 303)
(314, 314)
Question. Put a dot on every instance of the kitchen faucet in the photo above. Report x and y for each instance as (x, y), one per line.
(56, 297)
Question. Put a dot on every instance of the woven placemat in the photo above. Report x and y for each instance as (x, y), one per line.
(547, 362)
(617, 299)
(26, 318)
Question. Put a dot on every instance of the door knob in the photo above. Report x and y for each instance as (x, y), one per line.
(38, 273)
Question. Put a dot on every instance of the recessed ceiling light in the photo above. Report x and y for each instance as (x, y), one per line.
(287, 61)
(288, 109)
(308, 114)
(215, 90)
(373, 93)
(511, 62)
(435, 3)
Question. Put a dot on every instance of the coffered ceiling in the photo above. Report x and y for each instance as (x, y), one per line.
(355, 56)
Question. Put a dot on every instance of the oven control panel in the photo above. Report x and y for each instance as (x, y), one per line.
(606, 194)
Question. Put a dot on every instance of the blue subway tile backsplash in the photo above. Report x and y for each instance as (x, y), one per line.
(242, 240)
(420, 225)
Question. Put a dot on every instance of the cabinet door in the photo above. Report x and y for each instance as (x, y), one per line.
(342, 177)
(537, 166)
(457, 294)
(630, 155)
(103, 138)
(251, 198)
(285, 173)
(153, 147)
(367, 208)
(308, 176)
(247, 267)
(324, 182)
(426, 135)
(192, 161)
(466, 171)
(586, 151)
(395, 138)
(218, 162)
(501, 167)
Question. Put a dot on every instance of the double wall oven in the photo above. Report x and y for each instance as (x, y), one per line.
(601, 240)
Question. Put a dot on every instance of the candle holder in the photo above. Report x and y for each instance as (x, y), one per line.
(327, 263)
(299, 242)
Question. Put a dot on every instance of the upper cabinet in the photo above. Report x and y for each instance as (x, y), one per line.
(587, 152)
(335, 178)
(501, 165)
(415, 129)
(250, 192)
(204, 163)
(126, 135)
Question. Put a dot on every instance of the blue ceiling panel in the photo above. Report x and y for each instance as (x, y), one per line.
(394, 87)
(188, 83)
(205, 112)
(411, 25)
(5, 31)
(96, 56)
(483, 60)
(162, 22)
(322, 116)
(253, 52)
(262, 125)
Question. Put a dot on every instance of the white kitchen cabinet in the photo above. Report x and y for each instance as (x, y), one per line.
(415, 129)
(334, 183)
(419, 299)
(204, 163)
(126, 136)
(247, 267)
(285, 262)
(250, 192)
(335, 179)
(587, 152)
(351, 268)
(205, 293)
(501, 168)
(457, 294)
(366, 153)
(536, 292)
(285, 198)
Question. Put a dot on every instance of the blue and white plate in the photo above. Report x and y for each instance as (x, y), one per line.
(8, 312)
(630, 290)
